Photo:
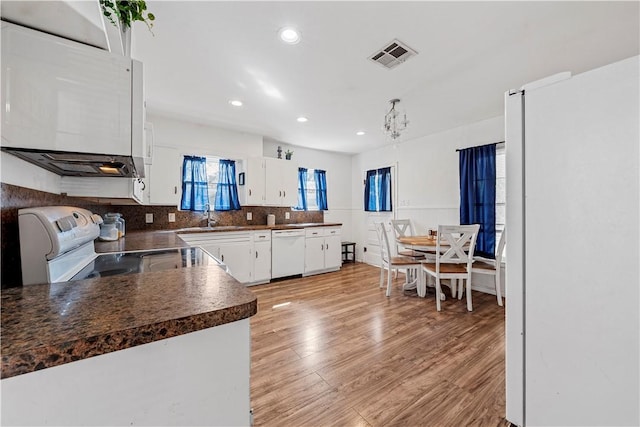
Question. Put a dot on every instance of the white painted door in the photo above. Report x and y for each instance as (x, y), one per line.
(273, 181)
(333, 251)
(289, 184)
(262, 261)
(164, 177)
(314, 254)
(237, 256)
(255, 181)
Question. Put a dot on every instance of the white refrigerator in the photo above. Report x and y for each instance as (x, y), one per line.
(573, 197)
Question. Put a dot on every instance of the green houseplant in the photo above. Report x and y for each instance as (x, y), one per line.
(288, 154)
(126, 12)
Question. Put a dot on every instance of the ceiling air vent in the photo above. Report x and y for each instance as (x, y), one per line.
(393, 54)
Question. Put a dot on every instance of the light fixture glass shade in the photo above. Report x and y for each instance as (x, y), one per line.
(394, 122)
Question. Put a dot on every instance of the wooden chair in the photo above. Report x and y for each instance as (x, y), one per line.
(390, 262)
(492, 267)
(402, 228)
(453, 261)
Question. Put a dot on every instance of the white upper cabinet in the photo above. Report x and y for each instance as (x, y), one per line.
(62, 95)
(164, 185)
(254, 182)
(281, 180)
(271, 182)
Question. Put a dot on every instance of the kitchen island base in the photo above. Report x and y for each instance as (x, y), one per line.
(199, 378)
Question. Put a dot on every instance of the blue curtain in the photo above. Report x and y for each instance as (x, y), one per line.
(302, 189)
(384, 189)
(227, 189)
(321, 188)
(370, 204)
(195, 193)
(377, 191)
(478, 195)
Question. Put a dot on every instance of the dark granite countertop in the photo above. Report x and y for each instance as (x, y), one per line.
(147, 240)
(52, 324)
(228, 228)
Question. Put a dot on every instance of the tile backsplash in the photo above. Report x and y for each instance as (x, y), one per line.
(15, 197)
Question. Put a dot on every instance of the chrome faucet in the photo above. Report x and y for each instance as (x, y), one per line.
(210, 222)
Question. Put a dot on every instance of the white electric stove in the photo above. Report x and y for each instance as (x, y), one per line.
(57, 245)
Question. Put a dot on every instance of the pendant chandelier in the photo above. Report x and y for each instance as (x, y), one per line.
(393, 123)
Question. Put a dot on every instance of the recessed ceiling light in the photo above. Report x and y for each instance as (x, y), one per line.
(360, 133)
(235, 103)
(302, 119)
(289, 35)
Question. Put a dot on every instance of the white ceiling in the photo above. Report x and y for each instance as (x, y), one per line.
(204, 53)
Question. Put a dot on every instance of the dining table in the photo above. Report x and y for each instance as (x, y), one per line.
(425, 243)
(420, 243)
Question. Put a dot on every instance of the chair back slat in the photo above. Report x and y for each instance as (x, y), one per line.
(501, 245)
(383, 240)
(461, 240)
(402, 227)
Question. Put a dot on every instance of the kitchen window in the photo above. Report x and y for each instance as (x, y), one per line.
(377, 190)
(312, 192)
(213, 174)
(223, 189)
(194, 184)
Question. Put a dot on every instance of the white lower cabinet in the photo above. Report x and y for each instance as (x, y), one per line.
(237, 257)
(322, 250)
(261, 256)
(247, 254)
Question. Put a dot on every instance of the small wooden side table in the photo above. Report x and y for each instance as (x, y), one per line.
(348, 252)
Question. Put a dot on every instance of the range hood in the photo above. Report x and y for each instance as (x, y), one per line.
(70, 108)
(81, 164)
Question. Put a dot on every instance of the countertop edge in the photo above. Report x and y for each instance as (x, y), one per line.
(48, 356)
(241, 228)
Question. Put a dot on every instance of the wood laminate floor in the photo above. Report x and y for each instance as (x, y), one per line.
(332, 350)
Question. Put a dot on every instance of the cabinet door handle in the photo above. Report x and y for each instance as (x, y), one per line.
(322, 247)
(284, 194)
(326, 246)
(222, 257)
(249, 191)
(256, 254)
(280, 193)
(175, 190)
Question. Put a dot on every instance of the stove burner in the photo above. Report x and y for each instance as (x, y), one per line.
(144, 261)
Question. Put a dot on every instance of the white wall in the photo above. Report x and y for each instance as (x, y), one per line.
(199, 139)
(16, 171)
(427, 187)
(339, 179)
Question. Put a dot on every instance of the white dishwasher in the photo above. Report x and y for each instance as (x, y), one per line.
(287, 252)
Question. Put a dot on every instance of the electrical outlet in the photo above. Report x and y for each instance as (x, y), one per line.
(287, 215)
(172, 217)
(249, 216)
(148, 218)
